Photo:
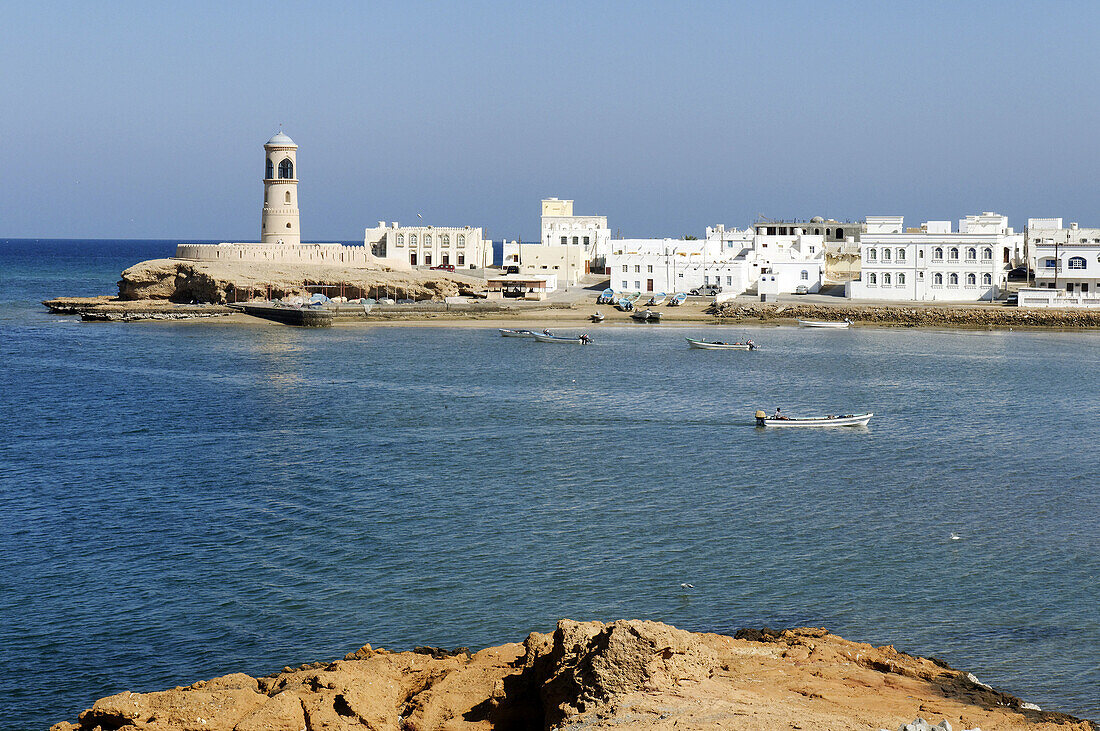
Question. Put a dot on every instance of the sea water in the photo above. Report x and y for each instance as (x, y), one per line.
(183, 500)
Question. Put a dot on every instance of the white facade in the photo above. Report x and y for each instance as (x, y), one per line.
(730, 259)
(934, 263)
(462, 248)
(561, 228)
(565, 263)
(1067, 262)
(278, 253)
(279, 220)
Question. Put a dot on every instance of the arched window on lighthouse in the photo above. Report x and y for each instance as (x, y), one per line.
(270, 169)
(288, 197)
(286, 169)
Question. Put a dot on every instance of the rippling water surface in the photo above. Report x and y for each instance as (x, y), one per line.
(186, 500)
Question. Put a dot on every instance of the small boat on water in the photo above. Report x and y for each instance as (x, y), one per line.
(515, 333)
(678, 299)
(646, 316)
(596, 317)
(822, 323)
(719, 345)
(762, 419)
(657, 300)
(547, 337)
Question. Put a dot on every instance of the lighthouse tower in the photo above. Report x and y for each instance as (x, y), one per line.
(279, 223)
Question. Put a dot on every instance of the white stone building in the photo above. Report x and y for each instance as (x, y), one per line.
(428, 246)
(566, 263)
(1067, 265)
(561, 228)
(730, 259)
(934, 263)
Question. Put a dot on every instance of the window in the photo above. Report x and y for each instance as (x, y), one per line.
(954, 253)
(872, 254)
(1077, 262)
(920, 276)
(886, 255)
(953, 279)
(901, 254)
(637, 285)
(624, 269)
(461, 240)
(811, 249)
(886, 278)
(626, 284)
(937, 253)
(840, 233)
(920, 253)
(427, 239)
(649, 268)
(729, 281)
(805, 275)
(901, 278)
(971, 280)
(987, 279)
(872, 279)
(288, 197)
(637, 268)
(400, 239)
(564, 240)
(1049, 263)
(987, 254)
(971, 254)
(288, 224)
(412, 239)
(1006, 255)
(445, 240)
(461, 259)
(575, 241)
(270, 172)
(937, 279)
(286, 170)
(586, 242)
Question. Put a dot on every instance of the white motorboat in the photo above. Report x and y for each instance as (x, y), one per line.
(706, 345)
(550, 338)
(762, 419)
(515, 333)
(657, 300)
(821, 323)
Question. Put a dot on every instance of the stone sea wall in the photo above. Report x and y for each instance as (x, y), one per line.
(912, 315)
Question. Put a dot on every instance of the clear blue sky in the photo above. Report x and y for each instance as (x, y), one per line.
(129, 119)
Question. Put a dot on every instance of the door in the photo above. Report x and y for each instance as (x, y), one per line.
(412, 258)
(446, 259)
(428, 259)
(649, 285)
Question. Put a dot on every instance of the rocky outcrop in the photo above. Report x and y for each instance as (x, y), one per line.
(907, 315)
(220, 282)
(626, 674)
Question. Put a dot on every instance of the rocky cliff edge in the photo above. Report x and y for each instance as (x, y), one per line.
(627, 674)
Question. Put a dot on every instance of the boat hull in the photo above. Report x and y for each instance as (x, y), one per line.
(539, 337)
(515, 333)
(704, 345)
(819, 323)
(820, 421)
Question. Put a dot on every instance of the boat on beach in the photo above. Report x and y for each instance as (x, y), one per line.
(596, 317)
(823, 323)
(581, 339)
(677, 299)
(515, 333)
(719, 345)
(646, 316)
(657, 300)
(762, 419)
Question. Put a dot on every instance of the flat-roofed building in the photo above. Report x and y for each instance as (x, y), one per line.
(1067, 265)
(427, 246)
(561, 228)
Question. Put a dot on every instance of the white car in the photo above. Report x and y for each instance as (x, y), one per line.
(802, 289)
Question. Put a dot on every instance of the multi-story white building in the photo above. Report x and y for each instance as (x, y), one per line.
(933, 262)
(462, 248)
(566, 263)
(561, 228)
(730, 259)
(1067, 265)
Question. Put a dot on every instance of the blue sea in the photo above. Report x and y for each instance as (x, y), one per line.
(184, 500)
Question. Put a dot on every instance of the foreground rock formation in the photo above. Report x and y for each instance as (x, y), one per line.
(218, 282)
(627, 674)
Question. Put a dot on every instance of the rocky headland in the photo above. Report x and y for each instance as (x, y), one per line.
(626, 674)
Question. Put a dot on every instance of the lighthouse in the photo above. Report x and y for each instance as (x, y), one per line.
(279, 222)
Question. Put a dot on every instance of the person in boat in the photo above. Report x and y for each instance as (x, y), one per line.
(585, 339)
(751, 344)
(779, 416)
(546, 331)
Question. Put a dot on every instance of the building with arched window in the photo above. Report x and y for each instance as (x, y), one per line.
(1067, 271)
(430, 246)
(935, 262)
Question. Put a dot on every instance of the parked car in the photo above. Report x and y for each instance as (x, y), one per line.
(445, 267)
(802, 289)
(1020, 274)
(706, 291)
(405, 302)
(1013, 299)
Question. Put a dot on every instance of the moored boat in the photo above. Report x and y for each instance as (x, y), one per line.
(677, 299)
(646, 316)
(596, 317)
(657, 300)
(515, 333)
(823, 323)
(719, 345)
(582, 339)
(762, 419)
